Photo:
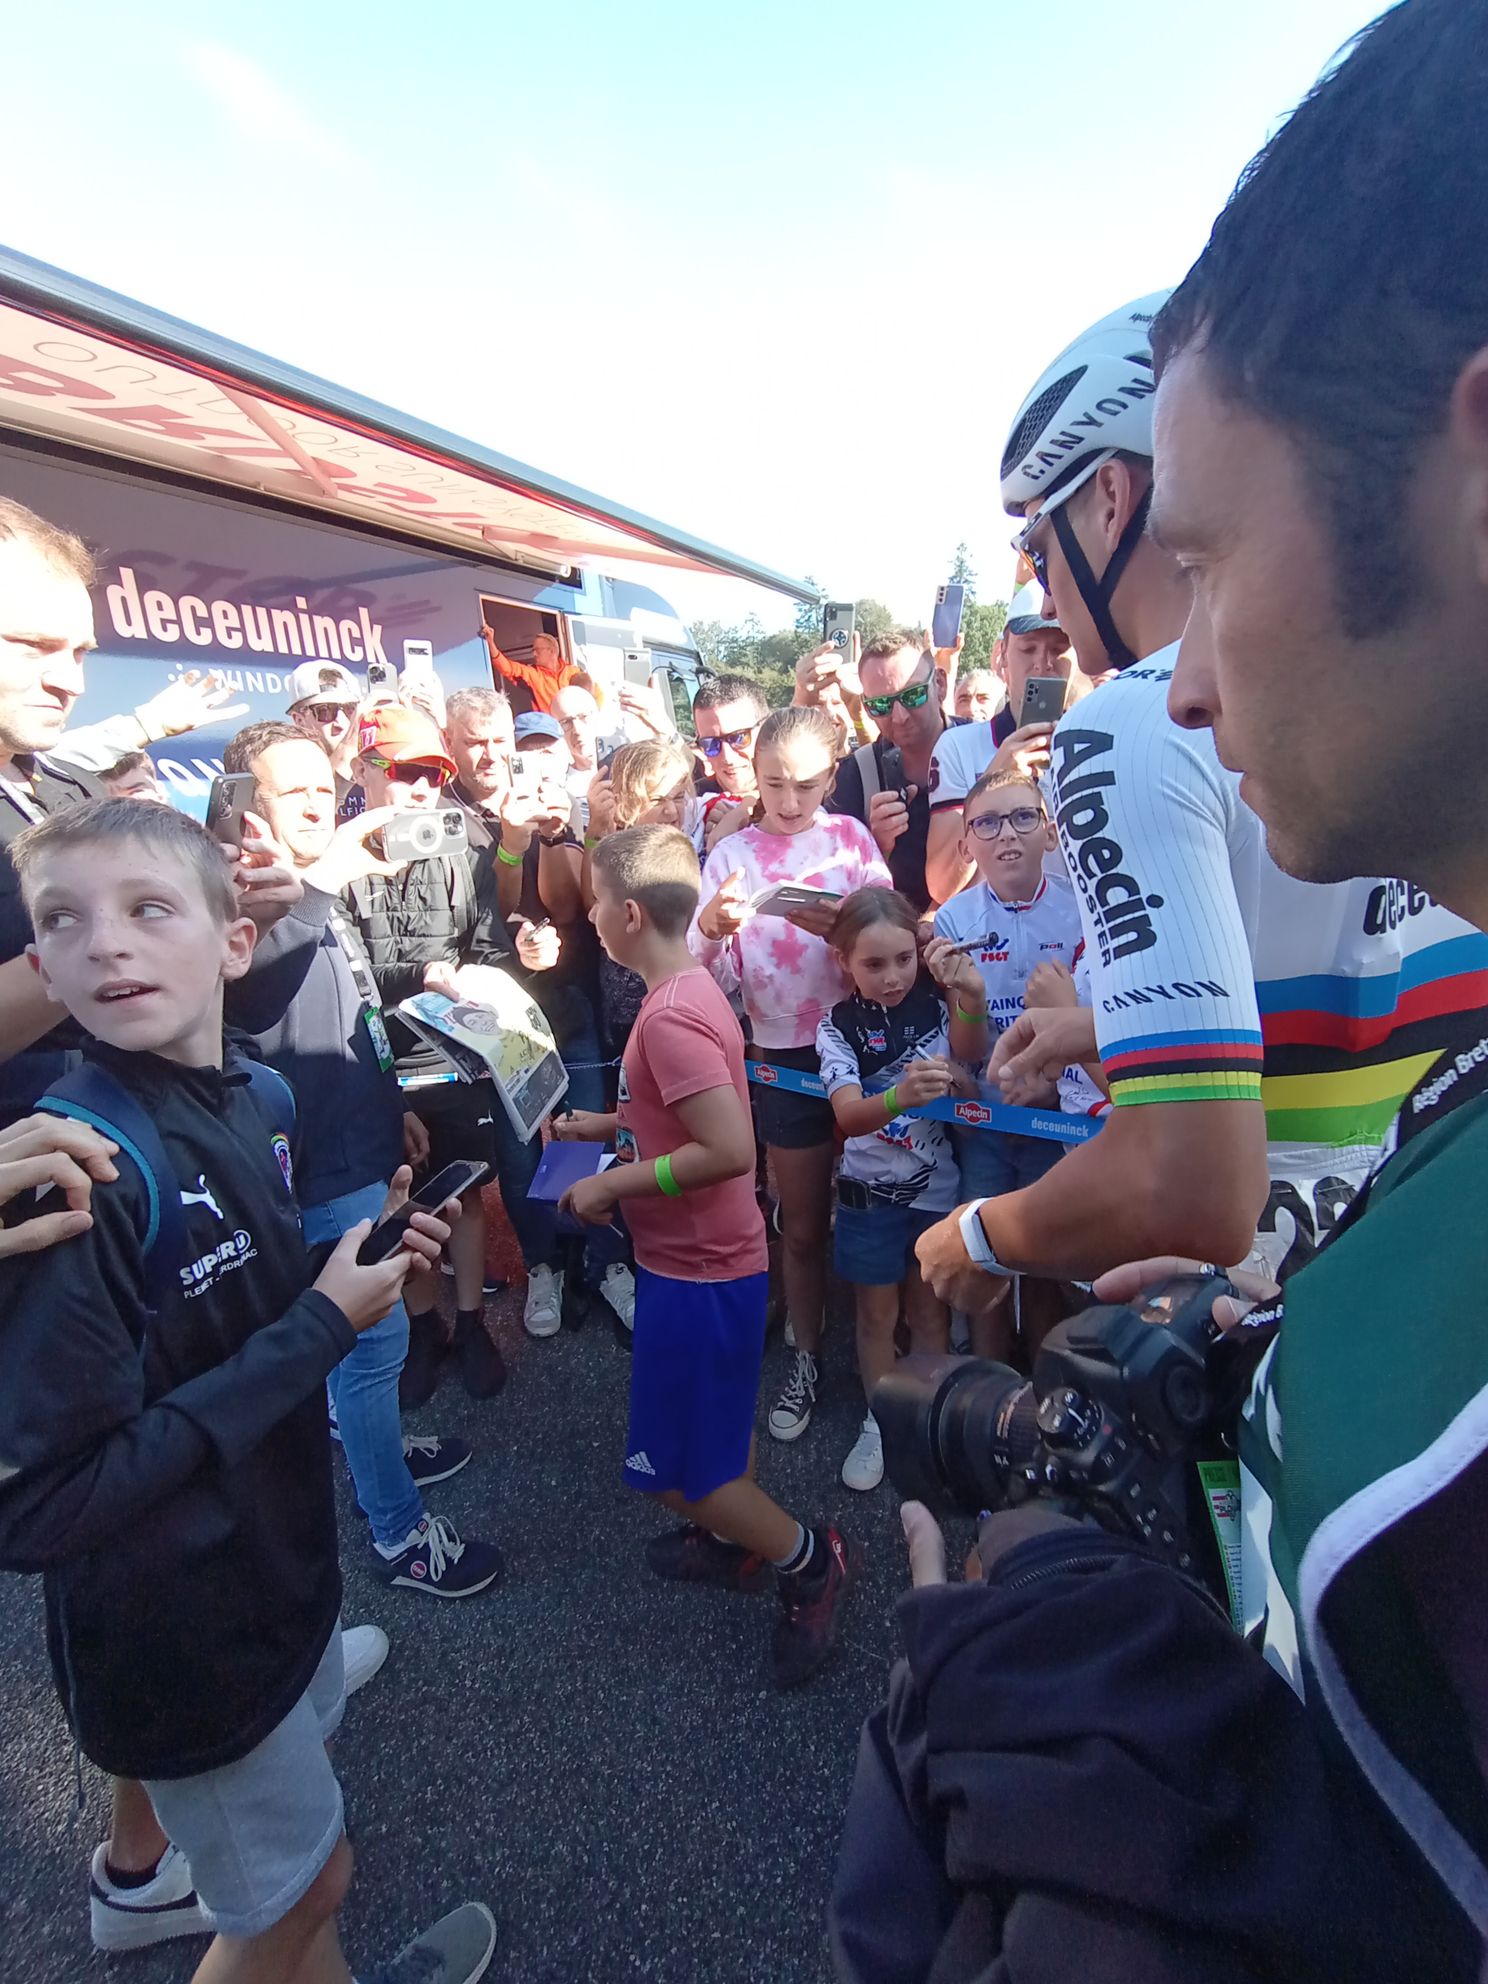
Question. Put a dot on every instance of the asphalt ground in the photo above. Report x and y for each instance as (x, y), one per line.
(597, 1756)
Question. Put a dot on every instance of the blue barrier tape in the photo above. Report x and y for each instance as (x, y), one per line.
(970, 1112)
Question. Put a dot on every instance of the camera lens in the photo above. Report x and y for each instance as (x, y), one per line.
(954, 1429)
(452, 826)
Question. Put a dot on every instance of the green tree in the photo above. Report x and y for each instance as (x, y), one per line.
(981, 626)
(808, 615)
(874, 618)
(963, 572)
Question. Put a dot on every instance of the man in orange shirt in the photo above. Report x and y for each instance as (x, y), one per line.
(540, 679)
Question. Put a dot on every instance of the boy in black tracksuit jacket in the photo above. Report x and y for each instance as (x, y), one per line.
(164, 1449)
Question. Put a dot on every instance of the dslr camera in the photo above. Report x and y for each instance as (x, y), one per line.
(420, 836)
(1125, 1407)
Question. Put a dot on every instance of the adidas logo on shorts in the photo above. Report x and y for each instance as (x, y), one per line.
(638, 1464)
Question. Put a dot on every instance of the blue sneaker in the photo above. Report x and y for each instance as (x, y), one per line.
(431, 1459)
(436, 1560)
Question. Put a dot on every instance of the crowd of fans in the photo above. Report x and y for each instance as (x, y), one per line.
(800, 967)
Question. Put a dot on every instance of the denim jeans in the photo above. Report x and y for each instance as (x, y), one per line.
(363, 1389)
(582, 1056)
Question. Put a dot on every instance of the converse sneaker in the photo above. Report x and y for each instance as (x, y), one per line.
(692, 1555)
(430, 1459)
(811, 1606)
(863, 1468)
(543, 1313)
(435, 1559)
(363, 1650)
(456, 1950)
(133, 1918)
(790, 1415)
(618, 1289)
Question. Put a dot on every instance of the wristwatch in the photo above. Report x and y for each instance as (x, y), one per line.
(980, 1248)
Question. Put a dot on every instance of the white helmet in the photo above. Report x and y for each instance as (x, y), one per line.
(1094, 399)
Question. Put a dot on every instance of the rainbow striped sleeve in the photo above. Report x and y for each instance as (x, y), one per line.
(1204, 1064)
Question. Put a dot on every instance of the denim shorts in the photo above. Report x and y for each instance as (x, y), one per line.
(874, 1247)
(257, 1832)
(994, 1161)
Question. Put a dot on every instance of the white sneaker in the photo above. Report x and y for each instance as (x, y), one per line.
(863, 1468)
(134, 1918)
(790, 1334)
(543, 1314)
(618, 1289)
(790, 1415)
(363, 1650)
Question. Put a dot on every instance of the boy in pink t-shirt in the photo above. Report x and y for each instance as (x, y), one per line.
(684, 1172)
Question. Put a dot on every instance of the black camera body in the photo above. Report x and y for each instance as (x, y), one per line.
(1124, 1402)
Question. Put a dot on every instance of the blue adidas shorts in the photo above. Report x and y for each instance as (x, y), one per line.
(697, 1349)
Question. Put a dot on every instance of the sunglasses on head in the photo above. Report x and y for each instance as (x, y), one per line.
(1022, 820)
(913, 697)
(736, 740)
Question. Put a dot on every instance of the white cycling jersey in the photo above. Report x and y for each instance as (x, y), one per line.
(1015, 936)
(1215, 975)
(1078, 1094)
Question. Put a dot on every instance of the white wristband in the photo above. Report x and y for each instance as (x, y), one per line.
(974, 1234)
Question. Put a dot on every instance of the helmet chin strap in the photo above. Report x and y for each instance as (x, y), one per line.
(1097, 593)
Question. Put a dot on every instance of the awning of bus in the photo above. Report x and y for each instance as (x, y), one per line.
(80, 364)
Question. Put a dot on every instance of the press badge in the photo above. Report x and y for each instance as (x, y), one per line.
(377, 1034)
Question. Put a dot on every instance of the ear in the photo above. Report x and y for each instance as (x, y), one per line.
(39, 968)
(999, 659)
(238, 940)
(1467, 428)
(1117, 492)
(940, 682)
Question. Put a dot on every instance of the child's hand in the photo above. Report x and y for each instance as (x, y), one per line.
(724, 916)
(426, 1233)
(725, 820)
(363, 1295)
(581, 1126)
(817, 919)
(591, 1201)
(956, 973)
(601, 797)
(924, 1081)
(1050, 984)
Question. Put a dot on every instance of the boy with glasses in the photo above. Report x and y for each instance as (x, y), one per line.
(888, 784)
(1010, 920)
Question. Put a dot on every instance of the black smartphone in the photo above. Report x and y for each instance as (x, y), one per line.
(230, 798)
(891, 770)
(447, 1184)
(1043, 699)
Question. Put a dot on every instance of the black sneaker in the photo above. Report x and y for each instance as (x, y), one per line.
(430, 1459)
(482, 1367)
(811, 1603)
(423, 1367)
(438, 1561)
(695, 1556)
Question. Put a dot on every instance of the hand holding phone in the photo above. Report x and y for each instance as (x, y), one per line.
(387, 1236)
(230, 798)
(1043, 700)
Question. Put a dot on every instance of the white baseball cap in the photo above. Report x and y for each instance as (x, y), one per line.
(323, 682)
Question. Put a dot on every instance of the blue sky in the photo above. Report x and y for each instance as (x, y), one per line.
(777, 274)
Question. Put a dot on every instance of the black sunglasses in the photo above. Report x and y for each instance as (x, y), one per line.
(736, 740)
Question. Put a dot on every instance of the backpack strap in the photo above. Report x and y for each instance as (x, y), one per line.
(90, 1094)
(273, 1095)
(866, 760)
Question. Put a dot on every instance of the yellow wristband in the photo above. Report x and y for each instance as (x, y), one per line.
(665, 1179)
(508, 860)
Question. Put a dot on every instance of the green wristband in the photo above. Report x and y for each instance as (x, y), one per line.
(665, 1179)
(891, 1101)
(972, 1019)
(590, 841)
(508, 860)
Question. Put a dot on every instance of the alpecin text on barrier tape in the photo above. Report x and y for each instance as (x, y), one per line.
(969, 1111)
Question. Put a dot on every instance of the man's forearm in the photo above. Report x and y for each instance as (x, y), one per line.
(1160, 1178)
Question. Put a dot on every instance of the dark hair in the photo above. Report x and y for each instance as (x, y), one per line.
(127, 766)
(883, 647)
(161, 830)
(865, 907)
(1345, 284)
(721, 689)
(62, 549)
(255, 738)
(654, 867)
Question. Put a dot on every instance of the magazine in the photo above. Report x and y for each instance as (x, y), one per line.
(501, 1034)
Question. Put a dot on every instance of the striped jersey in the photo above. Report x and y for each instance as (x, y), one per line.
(1216, 975)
